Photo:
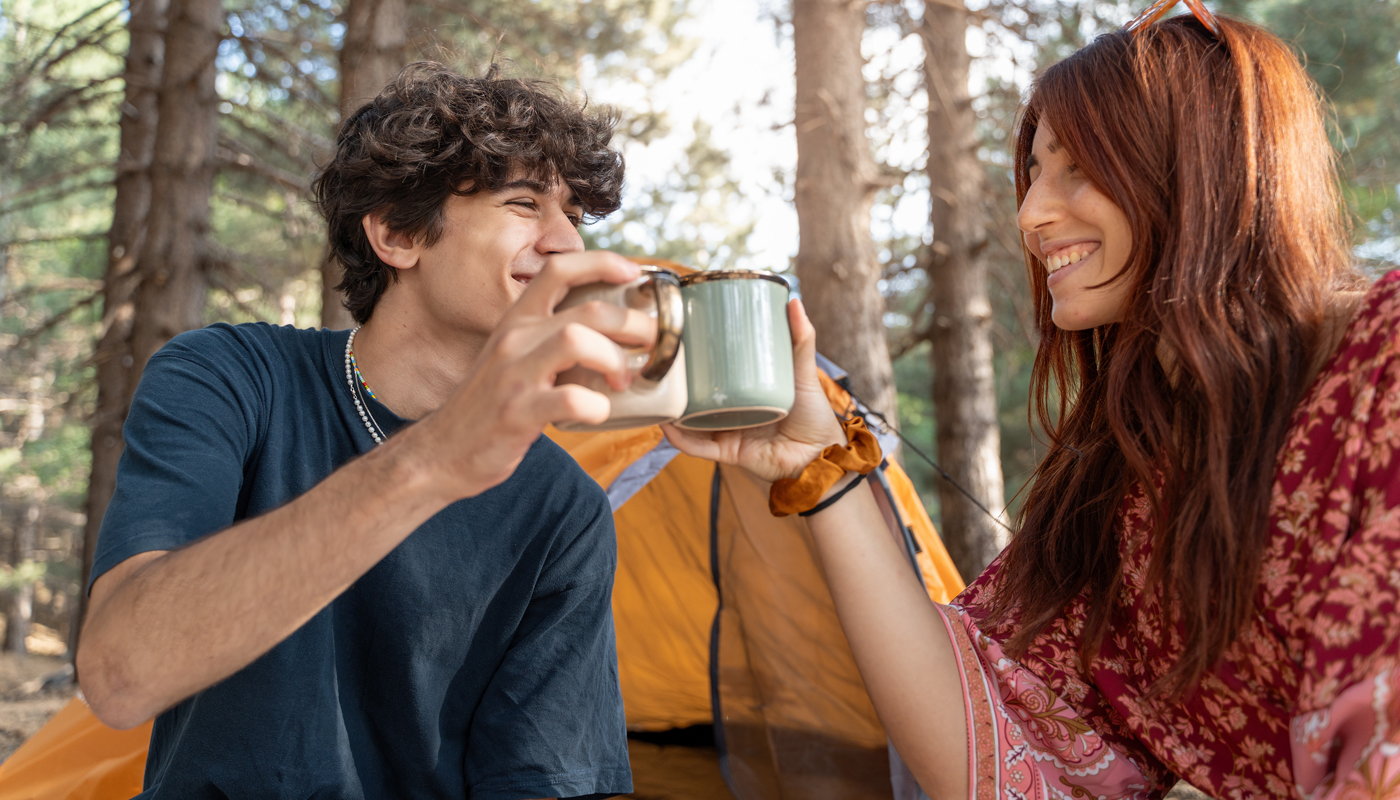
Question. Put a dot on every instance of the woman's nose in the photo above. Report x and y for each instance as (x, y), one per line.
(1039, 207)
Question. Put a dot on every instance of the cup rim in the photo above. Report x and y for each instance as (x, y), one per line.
(734, 274)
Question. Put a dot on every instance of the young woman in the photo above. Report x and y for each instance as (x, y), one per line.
(1205, 579)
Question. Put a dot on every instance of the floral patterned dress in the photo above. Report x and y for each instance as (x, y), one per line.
(1306, 702)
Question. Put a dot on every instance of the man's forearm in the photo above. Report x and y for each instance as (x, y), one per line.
(162, 630)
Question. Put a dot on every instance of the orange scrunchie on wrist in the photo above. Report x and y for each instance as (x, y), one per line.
(861, 454)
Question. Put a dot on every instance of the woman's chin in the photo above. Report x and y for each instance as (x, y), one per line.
(1088, 309)
(1066, 320)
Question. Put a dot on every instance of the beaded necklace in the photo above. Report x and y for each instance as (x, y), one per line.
(356, 380)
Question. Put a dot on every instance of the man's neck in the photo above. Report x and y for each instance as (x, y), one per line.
(413, 368)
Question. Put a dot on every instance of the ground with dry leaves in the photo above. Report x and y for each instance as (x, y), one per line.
(33, 688)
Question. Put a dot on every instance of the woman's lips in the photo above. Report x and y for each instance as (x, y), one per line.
(1060, 257)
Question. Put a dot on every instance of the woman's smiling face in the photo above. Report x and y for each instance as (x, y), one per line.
(1080, 237)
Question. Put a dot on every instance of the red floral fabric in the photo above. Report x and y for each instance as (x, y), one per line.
(1307, 701)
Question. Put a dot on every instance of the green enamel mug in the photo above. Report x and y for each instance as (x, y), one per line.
(738, 348)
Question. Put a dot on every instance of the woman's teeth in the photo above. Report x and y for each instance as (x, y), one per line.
(1056, 262)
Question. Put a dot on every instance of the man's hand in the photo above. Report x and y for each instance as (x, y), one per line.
(785, 448)
(485, 428)
(164, 625)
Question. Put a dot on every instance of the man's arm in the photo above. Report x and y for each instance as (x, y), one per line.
(164, 625)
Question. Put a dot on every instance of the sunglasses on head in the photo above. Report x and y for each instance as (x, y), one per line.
(1159, 9)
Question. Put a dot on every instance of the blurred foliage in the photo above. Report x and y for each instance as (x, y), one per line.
(60, 99)
(687, 217)
(58, 62)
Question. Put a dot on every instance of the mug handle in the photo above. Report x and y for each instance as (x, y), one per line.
(670, 320)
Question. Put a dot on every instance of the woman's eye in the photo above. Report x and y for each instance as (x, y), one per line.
(575, 220)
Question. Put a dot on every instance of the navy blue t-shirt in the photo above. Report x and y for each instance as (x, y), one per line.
(476, 660)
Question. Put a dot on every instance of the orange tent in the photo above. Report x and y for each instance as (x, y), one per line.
(723, 619)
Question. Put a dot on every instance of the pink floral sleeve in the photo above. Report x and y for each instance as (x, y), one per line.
(1023, 741)
(1346, 732)
(1359, 729)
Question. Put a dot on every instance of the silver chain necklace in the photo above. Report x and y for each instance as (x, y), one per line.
(361, 404)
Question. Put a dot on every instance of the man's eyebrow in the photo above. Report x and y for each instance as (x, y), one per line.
(539, 187)
(533, 184)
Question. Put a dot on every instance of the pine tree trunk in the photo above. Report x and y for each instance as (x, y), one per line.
(160, 293)
(964, 392)
(20, 612)
(374, 50)
(836, 185)
(144, 59)
(170, 297)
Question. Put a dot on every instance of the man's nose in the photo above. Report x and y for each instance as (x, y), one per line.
(560, 235)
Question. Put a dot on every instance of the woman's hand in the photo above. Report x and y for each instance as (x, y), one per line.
(785, 448)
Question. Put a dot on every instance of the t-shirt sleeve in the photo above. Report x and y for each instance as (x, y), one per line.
(551, 722)
(191, 428)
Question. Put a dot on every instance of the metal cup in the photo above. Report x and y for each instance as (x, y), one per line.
(658, 392)
(738, 350)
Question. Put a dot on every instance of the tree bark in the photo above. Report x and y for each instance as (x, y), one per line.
(836, 185)
(161, 220)
(20, 613)
(170, 297)
(374, 50)
(144, 59)
(964, 392)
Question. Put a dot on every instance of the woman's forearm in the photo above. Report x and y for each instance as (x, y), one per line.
(899, 640)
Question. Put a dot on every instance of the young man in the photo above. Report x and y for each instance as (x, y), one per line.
(314, 614)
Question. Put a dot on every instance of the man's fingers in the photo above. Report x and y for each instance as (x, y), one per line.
(566, 270)
(626, 326)
(577, 345)
(571, 403)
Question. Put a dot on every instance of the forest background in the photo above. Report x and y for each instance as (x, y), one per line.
(155, 157)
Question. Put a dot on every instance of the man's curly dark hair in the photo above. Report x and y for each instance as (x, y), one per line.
(433, 133)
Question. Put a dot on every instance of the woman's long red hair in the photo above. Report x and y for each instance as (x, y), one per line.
(1216, 150)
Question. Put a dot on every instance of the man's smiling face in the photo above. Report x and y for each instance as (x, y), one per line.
(493, 243)
(1080, 237)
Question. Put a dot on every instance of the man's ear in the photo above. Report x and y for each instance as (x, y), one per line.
(396, 249)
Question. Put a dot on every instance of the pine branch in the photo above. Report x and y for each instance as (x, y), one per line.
(54, 178)
(54, 197)
(63, 30)
(314, 95)
(258, 206)
(65, 285)
(273, 143)
(55, 238)
(57, 105)
(317, 141)
(53, 321)
(234, 156)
